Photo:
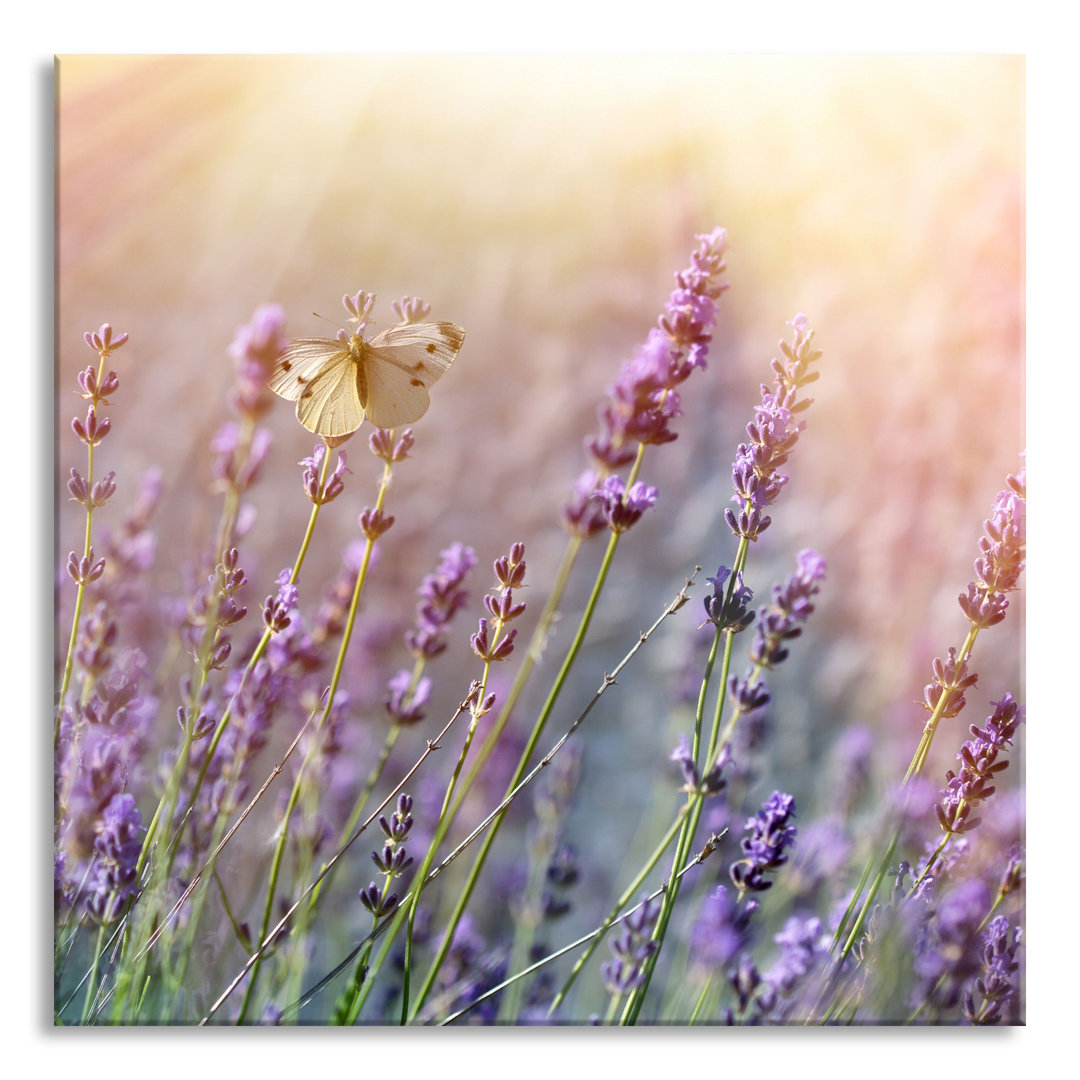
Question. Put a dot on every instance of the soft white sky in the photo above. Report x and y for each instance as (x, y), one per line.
(315, 26)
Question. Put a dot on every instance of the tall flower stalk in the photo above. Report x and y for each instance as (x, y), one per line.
(1002, 553)
(95, 388)
(637, 413)
(757, 482)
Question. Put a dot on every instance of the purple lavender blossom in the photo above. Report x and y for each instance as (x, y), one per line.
(979, 766)
(255, 348)
(995, 989)
(769, 835)
(320, 494)
(729, 606)
(238, 456)
(411, 309)
(1002, 558)
(442, 595)
(116, 849)
(948, 947)
(642, 401)
(801, 943)
(773, 434)
(277, 608)
(951, 679)
(713, 782)
(632, 945)
(492, 647)
(623, 507)
(583, 514)
(102, 340)
(790, 605)
(104, 761)
(373, 522)
(722, 930)
(382, 444)
(470, 969)
(407, 708)
(1012, 877)
(394, 860)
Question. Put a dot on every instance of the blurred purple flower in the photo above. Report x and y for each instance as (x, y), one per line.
(996, 988)
(768, 835)
(116, 850)
(255, 349)
(442, 595)
(1002, 558)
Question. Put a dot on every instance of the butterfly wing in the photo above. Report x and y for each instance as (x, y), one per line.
(330, 404)
(299, 364)
(399, 366)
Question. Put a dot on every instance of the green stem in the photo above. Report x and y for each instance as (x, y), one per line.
(294, 795)
(696, 800)
(91, 989)
(625, 898)
(538, 727)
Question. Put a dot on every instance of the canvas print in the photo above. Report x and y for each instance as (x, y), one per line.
(540, 540)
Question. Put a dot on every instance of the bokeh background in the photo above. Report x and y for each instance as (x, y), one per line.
(544, 203)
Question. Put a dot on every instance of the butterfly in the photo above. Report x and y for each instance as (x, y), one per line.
(337, 383)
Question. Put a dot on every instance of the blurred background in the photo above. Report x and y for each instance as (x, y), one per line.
(544, 203)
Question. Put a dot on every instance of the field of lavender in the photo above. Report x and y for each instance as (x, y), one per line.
(668, 669)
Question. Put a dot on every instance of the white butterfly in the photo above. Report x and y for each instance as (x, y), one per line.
(337, 383)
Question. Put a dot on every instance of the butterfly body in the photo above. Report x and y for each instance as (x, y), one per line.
(338, 383)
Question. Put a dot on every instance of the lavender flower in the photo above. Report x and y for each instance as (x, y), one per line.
(488, 642)
(800, 944)
(470, 970)
(642, 401)
(277, 609)
(442, 595)
(989, 993)
(790, 605)
(386, 448)
(769, 835)
(407, 708)
(979, 766)
(583, 515)
(623, 508)
(722, 930)
(392, 861)
(1012, 877)
(631, 946)
(729, 612)
(411, 309)
(1001, 562)
(712, 783)
(773, 433)
(320, 494)
(116, 848)
(947, 948)
(255, 349)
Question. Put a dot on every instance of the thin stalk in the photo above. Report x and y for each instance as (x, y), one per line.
(432, 746)
(696, 800)
(294, 795)
(699, 1007)
(918, 762)
(91, 988)
(613, 916)
(608, 681)
(65, 680)
(590, 937)
(538, 727)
